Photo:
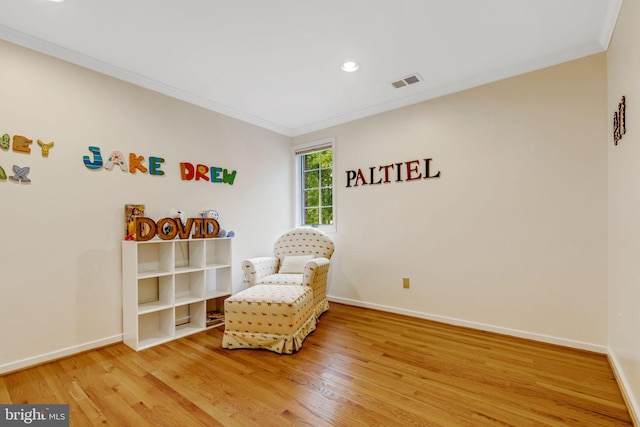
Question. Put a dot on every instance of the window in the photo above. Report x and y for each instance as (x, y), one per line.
(315, 198)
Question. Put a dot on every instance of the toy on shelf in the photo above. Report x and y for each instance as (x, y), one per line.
(131, 212)
(176, 214)
(211, 213)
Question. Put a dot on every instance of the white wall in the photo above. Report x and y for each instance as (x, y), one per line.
(61, 234)
(623, 71)
(513, 236)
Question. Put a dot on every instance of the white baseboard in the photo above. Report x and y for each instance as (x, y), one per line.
(475, 325)
(58, 354)
(623, 381)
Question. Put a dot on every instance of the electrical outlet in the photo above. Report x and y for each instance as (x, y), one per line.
(405, 282)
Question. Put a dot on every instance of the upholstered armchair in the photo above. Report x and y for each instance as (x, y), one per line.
(301, 257)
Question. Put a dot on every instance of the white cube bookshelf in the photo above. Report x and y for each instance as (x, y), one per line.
(170, 285)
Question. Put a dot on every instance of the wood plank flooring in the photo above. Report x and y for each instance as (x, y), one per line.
(359, 368)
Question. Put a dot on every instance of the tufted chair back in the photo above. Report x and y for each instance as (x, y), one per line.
(303, 241)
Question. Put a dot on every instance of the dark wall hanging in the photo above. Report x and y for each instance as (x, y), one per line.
(619, 127)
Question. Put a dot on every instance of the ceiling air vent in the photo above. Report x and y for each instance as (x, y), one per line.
(409, 80)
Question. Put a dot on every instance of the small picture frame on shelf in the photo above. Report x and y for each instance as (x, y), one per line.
(131, 212)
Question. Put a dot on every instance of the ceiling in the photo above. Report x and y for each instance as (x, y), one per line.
(276, 64)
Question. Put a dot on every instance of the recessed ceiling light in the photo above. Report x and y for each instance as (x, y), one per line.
(350, 66)
(56, 1)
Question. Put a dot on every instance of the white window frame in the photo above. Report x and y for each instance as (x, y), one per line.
(306, 148)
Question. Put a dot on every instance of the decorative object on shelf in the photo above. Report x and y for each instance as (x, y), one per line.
(210, 213)
(619, 125)
(3, 174)
(131, 212)
(176, 215)
(170, 228)
(221, 232)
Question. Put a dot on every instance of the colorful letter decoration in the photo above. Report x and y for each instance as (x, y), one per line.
(20, 174)
(96, 163)
(154, 165)
(136, 162)
(189, 172)
(169, 228)
(21, 143)
(5, 141)
(115, 158)
(45, 148)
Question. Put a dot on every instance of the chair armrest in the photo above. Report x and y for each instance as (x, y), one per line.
(256, 268)
(316, 271)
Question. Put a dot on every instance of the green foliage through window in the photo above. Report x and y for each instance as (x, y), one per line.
(317, 188)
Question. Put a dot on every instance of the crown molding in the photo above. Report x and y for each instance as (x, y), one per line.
(73, 57)
(609, 22)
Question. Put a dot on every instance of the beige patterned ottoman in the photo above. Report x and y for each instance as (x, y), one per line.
(271, 317)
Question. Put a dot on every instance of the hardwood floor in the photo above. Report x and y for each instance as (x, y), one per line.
(359, 368)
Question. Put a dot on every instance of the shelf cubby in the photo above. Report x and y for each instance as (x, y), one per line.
(155, 327)
(190, 318)
(216, 305)
(218, 252)
(189, 287)
(217, 281)
(189, 255)
(154, 293)
(155, 258)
